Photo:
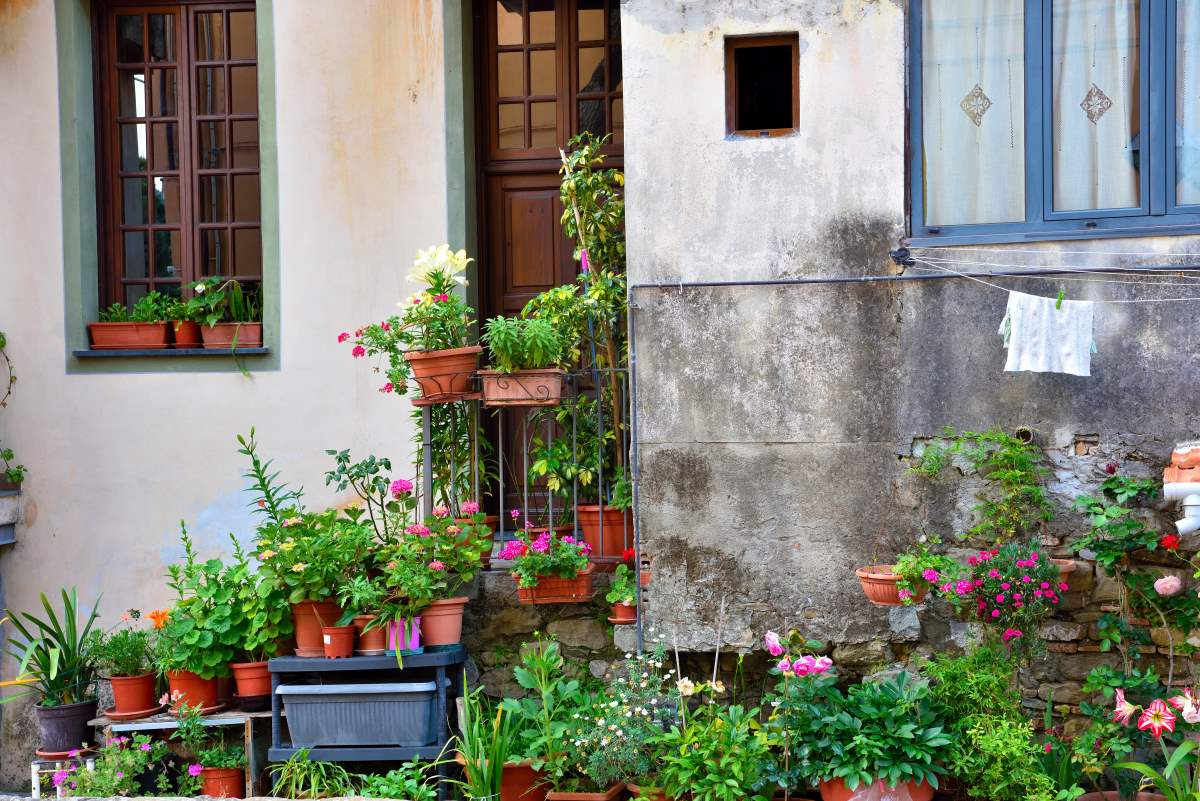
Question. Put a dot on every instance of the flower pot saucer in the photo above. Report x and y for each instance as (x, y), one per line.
(616, 621)
(370, 652)
(113, 714)
(58, 756)
(410, 652)
(208, 710)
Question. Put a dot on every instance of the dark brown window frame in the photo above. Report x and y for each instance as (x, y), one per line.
(735, 43)
(112, 281)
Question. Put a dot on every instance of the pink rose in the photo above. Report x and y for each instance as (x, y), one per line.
(1168, 586)
(771, 641)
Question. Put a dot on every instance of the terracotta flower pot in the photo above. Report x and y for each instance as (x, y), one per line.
(520, 782)
(309, 617)
(1181, 475)
(338, 641)
(370, 643)
(606, 795)
(444, 374)
(1113, 795)
(65, 727)
(555, 590)
(836, 790)
(193, 689)
(187, 334)
(647, 793)
(617, 525)
(132, 694)
(623, 614)
(879, 584)
(441, 621)
(252, 678)
(129, 336)
(222, 335)
(522, 388)
(1065, 568)
(492, 522)
(223, 782)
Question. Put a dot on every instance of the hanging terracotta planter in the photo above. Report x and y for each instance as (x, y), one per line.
(441, 621)
(192, 689)
(338, 641)
(555, 590)
(252, 678)
(623, 614)
(836, 790)
(134, 695)
(223, 782)
(1065, 568)
(129, 336)
(222, 335)
(605, 795)
(444, 374)
(879, 584)
(187, 334)
(371, 642)
(309, 617)
(522, 388)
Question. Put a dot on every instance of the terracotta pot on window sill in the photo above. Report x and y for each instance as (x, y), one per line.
(187, 334)
(129, 336)
(444, 375)
(222, 335)
(879, 583)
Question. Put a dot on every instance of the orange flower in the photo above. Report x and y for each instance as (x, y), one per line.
(160, 617)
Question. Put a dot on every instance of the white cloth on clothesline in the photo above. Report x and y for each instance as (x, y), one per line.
(1044, 338)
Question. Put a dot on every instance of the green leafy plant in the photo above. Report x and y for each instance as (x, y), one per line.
(920, 569)
(388, 504)
(568, 463)
(205, 627)
(1116, 531)
(125, 651)
(361, 595)
(487, 738)
(544, 555)
(1177, 781)
(412, 781)
(123, 766)
(12, 472)
(301, 777)
(307, 556)
(545, 716)
(153, 307)
(719, 754)
(1013, 465)
(518, 343)
(52, 653)
(222, 300)
(623, 589)
(273, 499)
(227, 757)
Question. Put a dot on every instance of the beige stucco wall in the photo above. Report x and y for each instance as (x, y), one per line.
(116, 461)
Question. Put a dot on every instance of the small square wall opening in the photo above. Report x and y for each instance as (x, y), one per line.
(762, 84)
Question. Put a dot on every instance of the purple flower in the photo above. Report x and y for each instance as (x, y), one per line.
(146, 746)
(584, 265)
(60, 776)
(195, 770)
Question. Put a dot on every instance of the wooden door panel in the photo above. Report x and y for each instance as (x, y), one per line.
(526, 244)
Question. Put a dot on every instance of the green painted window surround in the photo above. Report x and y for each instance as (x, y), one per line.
(73, 23)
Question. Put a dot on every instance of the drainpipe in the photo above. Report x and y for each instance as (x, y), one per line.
(1189, 494)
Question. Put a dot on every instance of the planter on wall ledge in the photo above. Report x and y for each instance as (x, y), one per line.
(879, 584)
(444, 375)
(129, 336)
(555, 590)
(623, 614)
(523, 388)
(223, 782)
(836, 790)
(601, 795)
(309, 617)
(187, 334)
(222, 335)
(1065, 568)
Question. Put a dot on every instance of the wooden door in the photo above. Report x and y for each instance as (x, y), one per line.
(548, 69)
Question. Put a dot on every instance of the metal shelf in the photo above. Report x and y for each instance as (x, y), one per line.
(360, 753)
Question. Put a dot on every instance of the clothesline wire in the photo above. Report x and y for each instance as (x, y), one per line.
(1053, 273)
(1051, 270)
(1006, 289)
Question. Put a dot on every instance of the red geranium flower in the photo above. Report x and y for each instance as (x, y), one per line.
(627, 555)
(1169, 542)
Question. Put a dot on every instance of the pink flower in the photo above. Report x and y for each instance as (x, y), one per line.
(904, 595)
(1000, 598)
(584, 265)
(442, 298)
(1034, 556)
(385, 325)
(993, 573)
(470, 508)
(1169, 585)
(388, 387)
(1124, 710)
(145, 746)
(1064, 586)
(514, 514)
(972, 561)
(1011, 634)
(342, 337)
(1026, 579)
(1005, 586)
(418, 529)
(804, 665)
(441, 511)
(513, 549)
(1156, 718)
(930, 575)
(401, 486)
(1045, 585)
(358, 352)
(822, 664)
(60, 776)
(437, 565)
(784, 665)
(772, 643)
(195, 770)
(1048, 747)
(995, 613)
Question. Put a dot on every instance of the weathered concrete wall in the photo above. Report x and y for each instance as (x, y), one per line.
(775, 419)
(117, 460)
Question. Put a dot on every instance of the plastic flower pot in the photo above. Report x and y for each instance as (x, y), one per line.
(522, 388)
(64, 728)
(520, 782)
(404, 637)
(441, 622)
(252, 678)
(187, 334)
(134, 694)
(836, 790)
(223, 782)
(555, 590)
(444, 375)
(338, 641)
(223, 335)
(879, 584)
(606, 795)
(309, 617)
(623, 614)
(192, 689)
(372, 642)
(129, 336)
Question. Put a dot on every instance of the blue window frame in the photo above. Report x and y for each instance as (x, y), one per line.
(1154, 150)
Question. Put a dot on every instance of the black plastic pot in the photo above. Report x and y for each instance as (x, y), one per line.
(65, 728)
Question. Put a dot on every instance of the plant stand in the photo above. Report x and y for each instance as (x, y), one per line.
(443, 667)
(40, 768)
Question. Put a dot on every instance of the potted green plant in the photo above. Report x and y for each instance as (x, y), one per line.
(141, 326)
(361, 598)
(622, 594)
(125, 766)
(303, 777)
(549, 569)
(415, 780)
(54, 661)
(229, 315)
(185, 331)
(221, 768)
(524, 370)
(718, 753)
(259, 624)
(487, 738)
(125, 656)
(908, 580)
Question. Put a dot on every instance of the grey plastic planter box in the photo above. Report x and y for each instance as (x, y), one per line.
(402, 714)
